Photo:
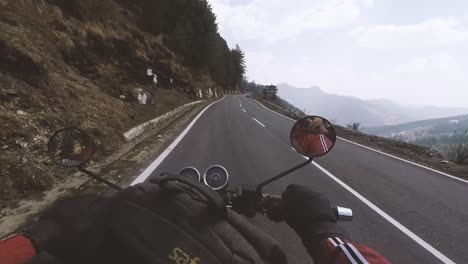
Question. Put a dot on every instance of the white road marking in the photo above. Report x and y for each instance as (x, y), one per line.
(258, 122)
(244, 110)
(378, 151)
(147, 172)
(387, 217)
(379, 211)
(407, 161)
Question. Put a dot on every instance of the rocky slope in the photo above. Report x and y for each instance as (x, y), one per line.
(77, 63)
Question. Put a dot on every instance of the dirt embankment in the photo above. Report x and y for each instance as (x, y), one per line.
(121, 167)
(62, 67)
(416, 153)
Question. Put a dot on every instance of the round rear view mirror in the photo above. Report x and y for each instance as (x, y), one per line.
(313, 136)
(70, 147)
(190, 172)
(216, 177)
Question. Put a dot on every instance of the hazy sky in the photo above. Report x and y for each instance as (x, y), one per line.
(411, 51)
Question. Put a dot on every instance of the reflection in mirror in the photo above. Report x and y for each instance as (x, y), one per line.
(70, 147)
(313, 136)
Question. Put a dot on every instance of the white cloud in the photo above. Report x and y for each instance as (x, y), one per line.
(368, 3)
(307, 43)
(430, 33)
(258, 63)
(275, 20)
(436, 63)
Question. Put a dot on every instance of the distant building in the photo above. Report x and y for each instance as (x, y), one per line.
(270, 92)
(453, 122)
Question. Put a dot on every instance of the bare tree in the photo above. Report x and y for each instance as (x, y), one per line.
(354, 126)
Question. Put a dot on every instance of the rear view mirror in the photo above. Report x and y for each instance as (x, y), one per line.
(70, 147)
(313, 136)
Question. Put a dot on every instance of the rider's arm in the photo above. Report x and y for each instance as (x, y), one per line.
(57, 229)
(311, 215)
(19, 249)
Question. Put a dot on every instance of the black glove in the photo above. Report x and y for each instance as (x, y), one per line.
(90, 228)
(71, 227)
(311, 215)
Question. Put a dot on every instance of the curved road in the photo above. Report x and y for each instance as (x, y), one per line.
(407, 213)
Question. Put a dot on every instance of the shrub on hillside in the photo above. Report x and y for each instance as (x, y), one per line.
(355, 126)
(458, 151)
(90, 10)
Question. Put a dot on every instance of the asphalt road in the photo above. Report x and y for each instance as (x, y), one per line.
(433, 208)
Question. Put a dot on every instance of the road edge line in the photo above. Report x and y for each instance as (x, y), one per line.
(376, 209)
(155, 164)
(378, 151)
(407, 161)
(387, 217)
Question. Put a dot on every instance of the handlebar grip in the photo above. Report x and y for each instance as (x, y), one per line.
(273, 206)
(343, 213)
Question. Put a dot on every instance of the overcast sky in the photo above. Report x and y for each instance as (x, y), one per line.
(411, 51)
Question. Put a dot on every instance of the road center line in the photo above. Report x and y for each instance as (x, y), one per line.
(147, 172)
(244, 110)
(258, 122)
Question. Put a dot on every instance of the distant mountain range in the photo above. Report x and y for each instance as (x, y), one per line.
(424, 128)
(344, 110)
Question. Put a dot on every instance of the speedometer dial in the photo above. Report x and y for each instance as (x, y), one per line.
(216, 177)
(190, 172)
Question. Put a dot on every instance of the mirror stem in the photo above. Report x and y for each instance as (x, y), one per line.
(261, 185)
(99, 179)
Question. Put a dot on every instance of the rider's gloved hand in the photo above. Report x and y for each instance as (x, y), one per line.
(76, 226)
(71, 226)
(311, 215)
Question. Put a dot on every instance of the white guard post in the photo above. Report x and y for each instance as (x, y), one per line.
(155, 79)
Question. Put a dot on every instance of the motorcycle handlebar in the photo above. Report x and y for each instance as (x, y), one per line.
(273, 207)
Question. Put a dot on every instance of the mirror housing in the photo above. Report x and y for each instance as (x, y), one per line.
(71, 147)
